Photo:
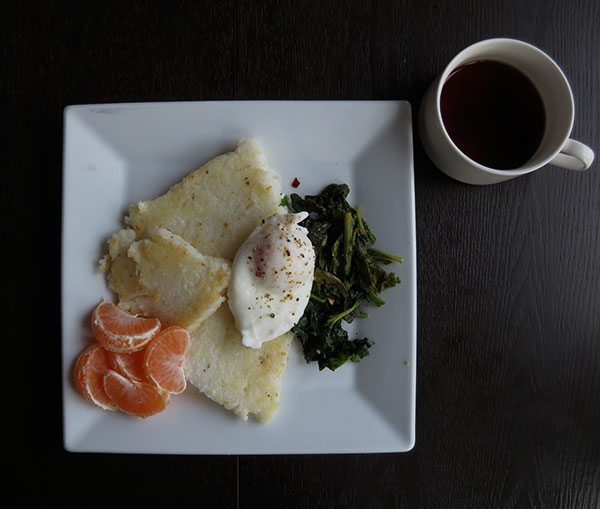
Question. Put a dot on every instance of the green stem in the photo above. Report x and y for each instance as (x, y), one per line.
(348, 228)
(361, 226)
(286, 202)
(376, 299)
(336, 318)
(383, 257)
(317, 298)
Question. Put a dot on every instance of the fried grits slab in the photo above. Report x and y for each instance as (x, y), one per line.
(243, 380)
(216, 207)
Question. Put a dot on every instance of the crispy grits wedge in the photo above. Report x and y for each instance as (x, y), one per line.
(216, 207)
(122, 278)
(179, 285)
(243, 380)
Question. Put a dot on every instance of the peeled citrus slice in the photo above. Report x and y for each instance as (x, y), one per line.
(136, 398)
(121, 332)
(163, 359)
(90, 368)
(130, 365)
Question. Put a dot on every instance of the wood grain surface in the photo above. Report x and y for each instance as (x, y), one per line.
(508, 405)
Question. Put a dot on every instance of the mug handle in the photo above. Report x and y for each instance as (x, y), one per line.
(574, 155)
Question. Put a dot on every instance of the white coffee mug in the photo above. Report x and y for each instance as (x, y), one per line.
(555, 148)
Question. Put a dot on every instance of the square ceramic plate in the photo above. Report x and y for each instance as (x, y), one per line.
(117, 154)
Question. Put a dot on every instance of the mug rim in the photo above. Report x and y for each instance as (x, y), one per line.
(452, 65)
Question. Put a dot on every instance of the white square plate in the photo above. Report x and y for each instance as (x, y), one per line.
(116, 154)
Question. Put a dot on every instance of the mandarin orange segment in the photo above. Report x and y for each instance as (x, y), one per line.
(163, 359)
(88, 375)
(130, 365)
(136, 398)
(121, 332)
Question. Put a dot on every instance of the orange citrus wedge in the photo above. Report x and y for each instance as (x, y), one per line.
(136, 398)
(90, 368)
(130, 365)
(121, 332)
(163, 359)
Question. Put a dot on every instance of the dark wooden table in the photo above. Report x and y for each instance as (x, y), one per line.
(508, 406)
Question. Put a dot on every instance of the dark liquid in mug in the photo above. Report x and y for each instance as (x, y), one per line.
(493, 113)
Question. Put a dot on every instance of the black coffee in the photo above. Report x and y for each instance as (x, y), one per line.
(493, 113)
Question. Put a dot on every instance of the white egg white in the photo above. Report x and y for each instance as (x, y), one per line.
(271, 279)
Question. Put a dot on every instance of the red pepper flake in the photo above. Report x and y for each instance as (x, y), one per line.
(295, 183)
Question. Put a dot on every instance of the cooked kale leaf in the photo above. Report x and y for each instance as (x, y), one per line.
(347, 274)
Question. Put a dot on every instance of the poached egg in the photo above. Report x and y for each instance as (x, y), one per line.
(271, 279)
